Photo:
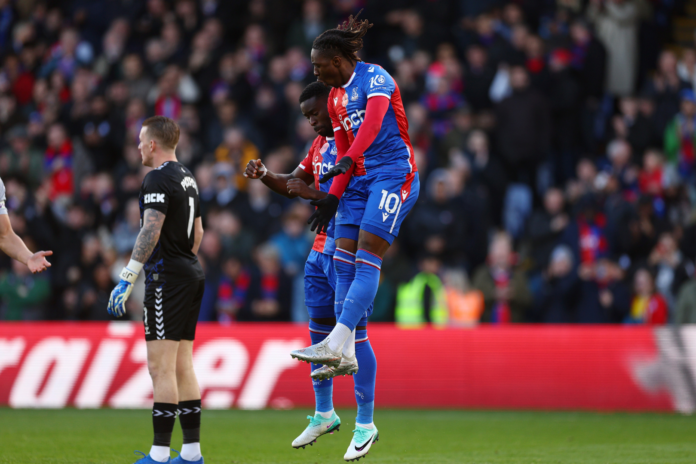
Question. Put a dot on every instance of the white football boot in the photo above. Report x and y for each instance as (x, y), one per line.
(348, 366)
(318, 354)
(317, 427)
(362, 441)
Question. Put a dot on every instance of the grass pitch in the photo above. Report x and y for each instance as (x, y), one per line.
(406, 436)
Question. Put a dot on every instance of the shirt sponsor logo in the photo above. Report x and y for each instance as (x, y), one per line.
(354, 120)
(153, 198)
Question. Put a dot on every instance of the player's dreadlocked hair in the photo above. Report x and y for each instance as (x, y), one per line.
(346, 39)
(315, 89)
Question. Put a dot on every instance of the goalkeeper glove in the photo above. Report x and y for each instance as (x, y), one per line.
(119, 295)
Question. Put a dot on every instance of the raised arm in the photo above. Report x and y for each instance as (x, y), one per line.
(14, 247)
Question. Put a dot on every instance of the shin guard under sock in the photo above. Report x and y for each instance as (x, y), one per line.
(363, 289)
(365, 378)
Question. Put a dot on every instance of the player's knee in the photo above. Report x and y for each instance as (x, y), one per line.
(184, 369)
(160, 370)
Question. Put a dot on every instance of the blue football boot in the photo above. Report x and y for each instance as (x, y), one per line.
(180, 460)
(146, 459)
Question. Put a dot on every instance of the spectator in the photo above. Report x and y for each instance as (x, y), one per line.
(680, 137)
(270, 292)
(523, 128)
(479, 77)
(665, 88)
(487, 172)
(604, 297)
(563, 92)
(423, 299)
(237, 151)
(631, 125)
(127, 230)
(504, 288)
(24, 294)
(651, 177)
(617, 24)
(547, 226)
(437, 224)
(559, 293)
(648, 306)
(232, 291)
(589, 61)
(58, 162)
(292, 241)
(686, 68)
(21, 158)
(672, 270)
(139, 85)
(303, 31)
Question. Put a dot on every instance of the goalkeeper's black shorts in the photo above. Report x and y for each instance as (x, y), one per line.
(171, 310)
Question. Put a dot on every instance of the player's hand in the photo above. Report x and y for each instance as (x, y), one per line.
(117, 300)
(120, 294)
(341, 168)
(299, 188)
(255, 169)
(38, 263)
(325, 212)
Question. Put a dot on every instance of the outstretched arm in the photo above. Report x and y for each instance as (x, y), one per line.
(14, 247)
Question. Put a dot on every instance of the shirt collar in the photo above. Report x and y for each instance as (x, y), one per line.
(351, 77)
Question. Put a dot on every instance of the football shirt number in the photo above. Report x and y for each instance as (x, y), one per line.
(190, 224)
(390, 201)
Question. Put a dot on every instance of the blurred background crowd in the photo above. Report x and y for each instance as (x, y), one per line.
(556, 141)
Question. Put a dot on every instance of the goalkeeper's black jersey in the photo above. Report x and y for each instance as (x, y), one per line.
(172, 190)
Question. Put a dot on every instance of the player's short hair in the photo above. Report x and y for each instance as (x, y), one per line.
(346, 39)
(164, 130)
(315, 89)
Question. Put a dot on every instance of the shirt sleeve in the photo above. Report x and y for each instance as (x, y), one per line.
(306, 164)
(3, 199)
(378, 83)
(155, 192)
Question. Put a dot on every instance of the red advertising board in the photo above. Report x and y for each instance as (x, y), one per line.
(89, 365)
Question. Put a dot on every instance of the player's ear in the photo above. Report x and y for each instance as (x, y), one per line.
(336, 61)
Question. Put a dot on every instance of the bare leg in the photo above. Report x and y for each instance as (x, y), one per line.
(185, 376)
(161, 362)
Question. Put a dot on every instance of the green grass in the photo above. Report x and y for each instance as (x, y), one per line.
(406, 436)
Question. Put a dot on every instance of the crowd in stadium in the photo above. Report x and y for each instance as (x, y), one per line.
(556, 142)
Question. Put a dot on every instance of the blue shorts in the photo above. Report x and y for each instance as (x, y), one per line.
(378, 203)
(320, 285)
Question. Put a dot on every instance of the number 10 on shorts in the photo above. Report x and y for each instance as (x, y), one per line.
(390, 203)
